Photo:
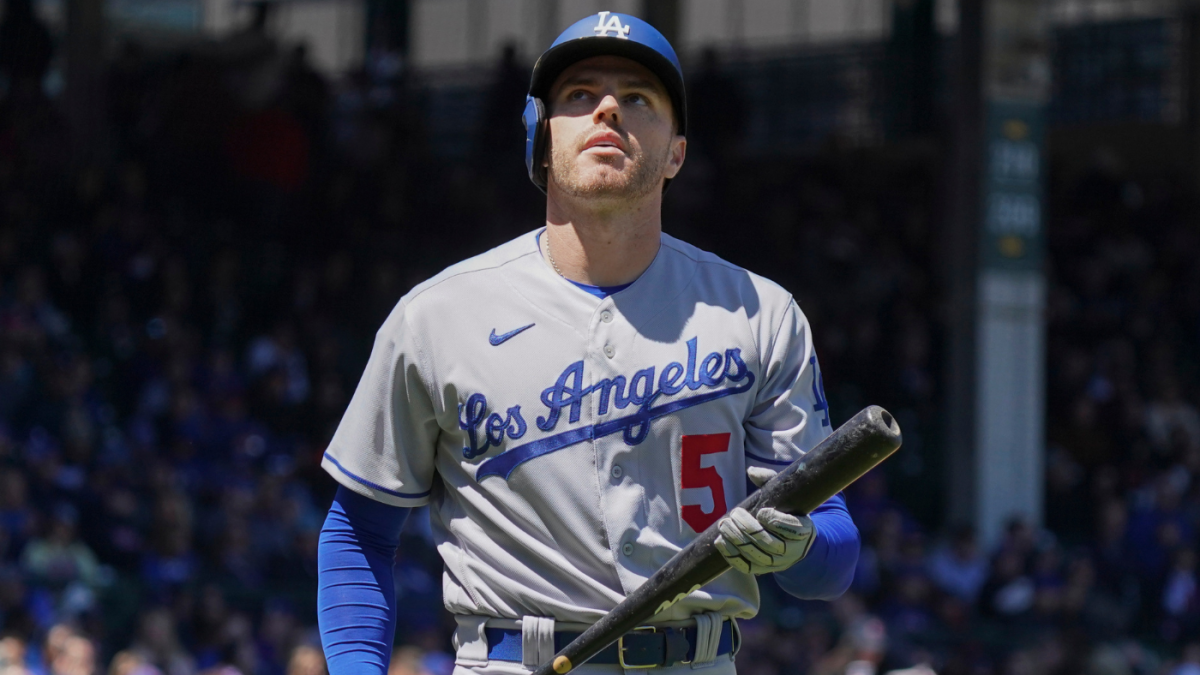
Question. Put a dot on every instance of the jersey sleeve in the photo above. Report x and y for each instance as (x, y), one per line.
(384, 446)
(790, 414)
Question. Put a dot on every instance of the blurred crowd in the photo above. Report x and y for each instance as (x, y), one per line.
(1109, 585)
(182, 323)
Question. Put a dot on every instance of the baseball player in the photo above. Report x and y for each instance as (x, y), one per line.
(577, 404)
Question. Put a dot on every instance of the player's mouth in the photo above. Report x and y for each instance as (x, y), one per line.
(605, 143)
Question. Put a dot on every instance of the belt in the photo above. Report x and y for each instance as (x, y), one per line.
(645, 647)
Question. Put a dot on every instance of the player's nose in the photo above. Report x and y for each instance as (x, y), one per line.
(608, 110)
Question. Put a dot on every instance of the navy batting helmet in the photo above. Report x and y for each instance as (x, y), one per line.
(606, 33)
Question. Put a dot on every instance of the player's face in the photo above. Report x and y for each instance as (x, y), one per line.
(612, 131)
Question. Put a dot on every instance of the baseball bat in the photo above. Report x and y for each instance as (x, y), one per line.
(849, 452)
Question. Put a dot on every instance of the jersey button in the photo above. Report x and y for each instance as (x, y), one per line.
(606, 316)
(617, 471)
(610, 351)
(627, 549)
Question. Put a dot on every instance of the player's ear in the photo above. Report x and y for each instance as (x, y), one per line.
(678, 152)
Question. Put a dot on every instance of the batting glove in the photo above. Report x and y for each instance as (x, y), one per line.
(772, 542)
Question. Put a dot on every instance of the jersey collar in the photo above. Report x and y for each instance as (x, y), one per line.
(662, 282)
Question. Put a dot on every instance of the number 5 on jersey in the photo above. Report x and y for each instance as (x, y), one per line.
(692, 475)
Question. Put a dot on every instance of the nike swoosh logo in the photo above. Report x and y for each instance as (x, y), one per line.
(497, 340)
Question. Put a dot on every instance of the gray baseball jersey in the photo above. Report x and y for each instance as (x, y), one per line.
(569, 445)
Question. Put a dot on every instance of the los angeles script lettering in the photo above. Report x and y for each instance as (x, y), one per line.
(486, 430)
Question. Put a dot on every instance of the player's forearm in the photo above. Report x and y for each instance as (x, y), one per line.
(828, 569)
(356, 601)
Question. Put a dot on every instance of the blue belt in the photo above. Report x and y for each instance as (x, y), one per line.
(641, 648)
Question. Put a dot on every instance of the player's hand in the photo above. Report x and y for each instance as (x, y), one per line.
(772, 542)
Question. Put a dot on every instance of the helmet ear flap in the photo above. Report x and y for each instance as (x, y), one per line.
(534, 119)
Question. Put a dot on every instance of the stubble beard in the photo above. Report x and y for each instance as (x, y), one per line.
(642, 176)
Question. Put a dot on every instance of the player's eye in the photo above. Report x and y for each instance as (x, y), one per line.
(637, 99)
(578, 95)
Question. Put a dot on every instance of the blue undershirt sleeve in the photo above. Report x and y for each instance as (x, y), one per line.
(826, 572)
(356, 600)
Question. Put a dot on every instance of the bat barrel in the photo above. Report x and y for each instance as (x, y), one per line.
(858, 446)
(852, 450)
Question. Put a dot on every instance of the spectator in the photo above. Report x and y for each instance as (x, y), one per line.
(959, 568)
(406, 661)
(863, 645)
(158, 644)
(13, 656)
(130, 663)
(1181, 596)
(77, 657)
(1170, 417)
(306, 660)
(1008, 593)
(58, 559)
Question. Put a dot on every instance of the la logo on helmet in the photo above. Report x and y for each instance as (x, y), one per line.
(612, 24)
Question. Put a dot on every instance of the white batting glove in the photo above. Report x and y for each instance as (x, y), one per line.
(772, 542)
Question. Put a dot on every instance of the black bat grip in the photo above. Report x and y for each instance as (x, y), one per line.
(849, 452)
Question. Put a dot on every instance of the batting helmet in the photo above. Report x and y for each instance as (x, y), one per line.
(606, 33)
